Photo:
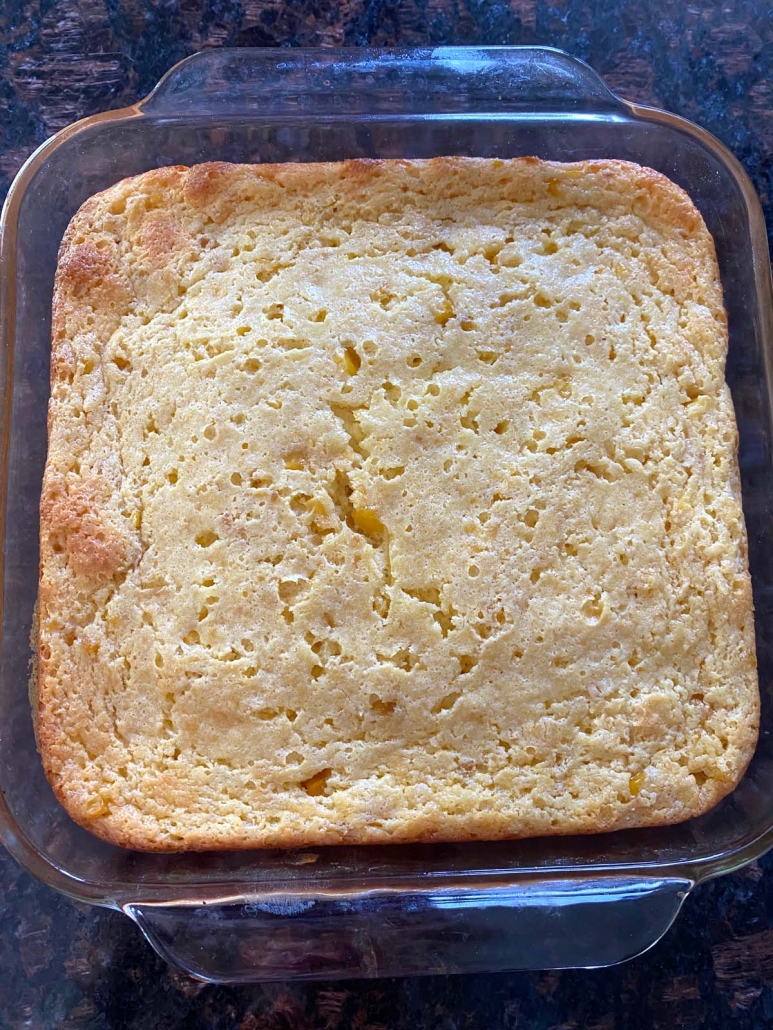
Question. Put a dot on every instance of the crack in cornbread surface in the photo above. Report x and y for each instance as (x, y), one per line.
(391, 501)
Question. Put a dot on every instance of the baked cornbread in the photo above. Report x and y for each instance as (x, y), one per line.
(391, 501)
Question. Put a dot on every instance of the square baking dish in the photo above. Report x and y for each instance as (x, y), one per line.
(373, 911)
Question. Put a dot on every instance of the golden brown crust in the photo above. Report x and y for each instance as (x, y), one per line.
(391, 501)
(91, 545)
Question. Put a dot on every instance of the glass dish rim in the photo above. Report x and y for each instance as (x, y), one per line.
(118, 894)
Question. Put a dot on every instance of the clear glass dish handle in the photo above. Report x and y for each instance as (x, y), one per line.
(532, 924)
(327, 935)
(269, 83)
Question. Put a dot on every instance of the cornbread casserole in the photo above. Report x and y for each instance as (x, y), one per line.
(391, 501)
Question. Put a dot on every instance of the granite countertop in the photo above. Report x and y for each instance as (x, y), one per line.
(72, 967)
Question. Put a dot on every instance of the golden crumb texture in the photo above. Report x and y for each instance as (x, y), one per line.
(391, 501)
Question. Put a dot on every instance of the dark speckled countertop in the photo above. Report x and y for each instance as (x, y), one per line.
(67, 966)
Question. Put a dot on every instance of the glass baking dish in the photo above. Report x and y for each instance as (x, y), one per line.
(373, 911)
